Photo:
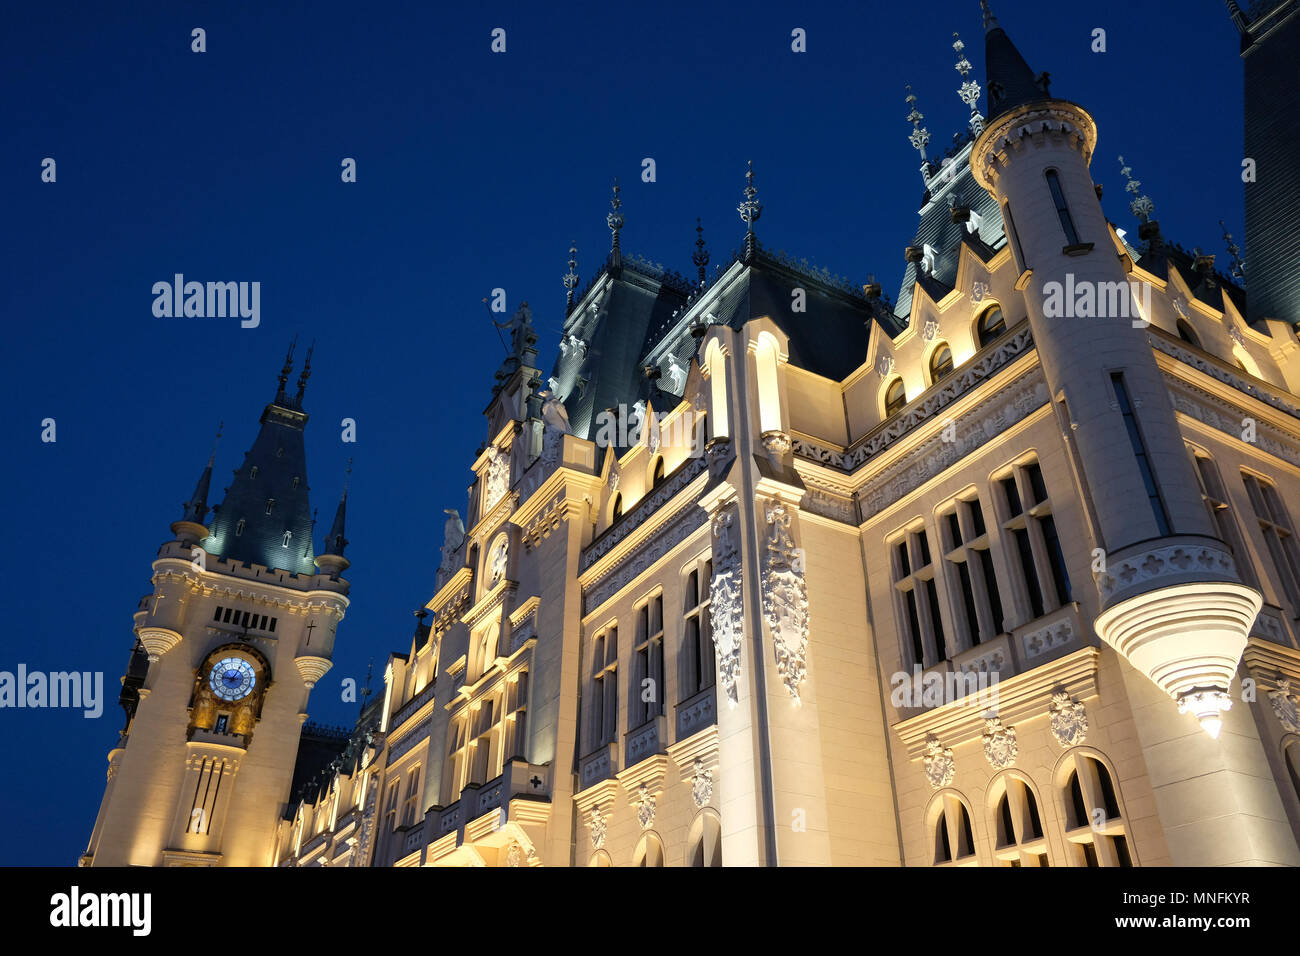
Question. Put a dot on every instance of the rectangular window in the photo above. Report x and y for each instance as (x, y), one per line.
(1062, 209)
(918, 598)
(967, 555)
(1279, 535)
(602, 702)
(412, 796)
(1140, 453)
(1029, 532)
(1225, 526)
(645, 694)
(697, 665)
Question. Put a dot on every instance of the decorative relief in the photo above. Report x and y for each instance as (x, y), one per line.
(1039, 642)
(1214, 370)
(701, 784)
(1200, 702)
(939, 766)
(726, 616)
(1234, 332)
(1285, 707)
(597, 824)
(648, 506)
(1069, 720)
(1162, 562)
(1228, 419)
(1000, 746)
(613, 480)
(498, 477)
(776, 442)
(785, 598)
(978, 290)
(1180, 306)
(994, 662)
(929, 330)
(829, 505)
(885, 365)
(962, 380)
(515, 855)
(645, 807)
(673, 532)
(498, 559)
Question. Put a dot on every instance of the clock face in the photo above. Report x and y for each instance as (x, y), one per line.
(232, 678)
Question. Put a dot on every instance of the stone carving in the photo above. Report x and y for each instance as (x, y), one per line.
(498, 477)
(1234, 332)
(1048, 638)
(453, 536)
(776, 442)
(613, 480)
(676, 375)
(1208, 701)
(929, 330)
(785, 598)
(515, 855)
(362, 856)
(597, 824)
(701, 784)
(673, 532)
(1180, 306)
(1228, 377)
(978, 290)
(885, 365)
(645, 508)
(1069, 720)
(726, 615)
(1000, 746)
(829, 505)
(498, 559)
(939, 766)
(645, 807)
(1162, 562)
(1285, 707)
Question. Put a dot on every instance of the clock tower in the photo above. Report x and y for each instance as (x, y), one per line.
(238, 628)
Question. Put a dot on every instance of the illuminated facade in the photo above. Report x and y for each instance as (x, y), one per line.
(768, 570)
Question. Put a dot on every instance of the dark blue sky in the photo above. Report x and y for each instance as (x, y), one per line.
(475, 171)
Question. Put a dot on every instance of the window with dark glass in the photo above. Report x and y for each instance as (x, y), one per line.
(940, 363)
(1140, 453)
(991, 325)
(1062, 209)
(895, 397)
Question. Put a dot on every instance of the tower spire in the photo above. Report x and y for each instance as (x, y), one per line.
(571, 277)
(990, 21)
(615, 222)
(285, 371)
(336, 542)
(306, 374)
(970, 89)
(196, 509)
(750, 210)
(920, 135)
(701, 255)
(1141, 206)
(1010, 81)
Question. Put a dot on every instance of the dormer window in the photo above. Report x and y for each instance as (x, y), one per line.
(279, 452)
(270, 505)
(288, 536)
(252, 472)
(239, 528)
(295, 481)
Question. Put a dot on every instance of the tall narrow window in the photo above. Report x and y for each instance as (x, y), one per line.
(239, 527)
(1019, 826)
(966, 546)
(410, 804)
(954, 840)
(1029, 528)
(645, 695)
(1279, 535)
(453, 774)
(918, 598)
(991, 325)
(1062, 209)
(697, 645)
(658, 478)
(1140, 453)
(940, 364)
(1225, 526)
(603, 701)
(1021, 265)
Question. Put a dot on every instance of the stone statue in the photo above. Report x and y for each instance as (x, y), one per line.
(205, 708)
(453, 536)
(554, 414)
(243, 719)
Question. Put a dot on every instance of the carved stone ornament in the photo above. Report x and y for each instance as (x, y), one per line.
(1285, 706)
(978, 290)
(613, 480)
(785, 598)
(498, 559)
(597, 823)
(885, 365)
(939, 766)
(701, 784)
(776, 442)
(1069, 720)
(1000, 746)
(515, 855)
(676, 374)
(498, 477)
(726, 615)
(929, 329)
(1235, 333)
(645, 807)
(1180, 306)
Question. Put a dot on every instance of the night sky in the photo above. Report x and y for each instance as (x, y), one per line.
(474, 171)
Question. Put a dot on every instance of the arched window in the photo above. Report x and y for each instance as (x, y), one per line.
(618, 508)
(658, 478)
(1292, 754)
(895, 397)
(1018, 825)
(991, 325)
(599, 858)
(705, 843)
(954, 839)
(940, 363)
(649, 852)
(1095, 829)
(1188, 334)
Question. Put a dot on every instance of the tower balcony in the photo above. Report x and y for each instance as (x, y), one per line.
(1177, 611)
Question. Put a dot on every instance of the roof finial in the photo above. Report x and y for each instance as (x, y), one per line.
(970, 89)
(701, 255)
(221, 426)
(615, 222)
(306, 373)
(1142, 207)
(920, 135)
(1238, 270)
(284, 372)
(990, 21)
(571, 278)
(750, 210)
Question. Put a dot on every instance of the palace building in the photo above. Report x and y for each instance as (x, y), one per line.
(772, 569)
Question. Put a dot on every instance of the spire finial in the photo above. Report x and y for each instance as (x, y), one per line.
(920, 135)
(615, 222)
(1238, 270)
(970, 89)
(288, 367)
(750, 210)
(216, 441)
(571, 278)
(336, 542)
(306, 373)
(990, 21)
(1142, 207)
(701, 255)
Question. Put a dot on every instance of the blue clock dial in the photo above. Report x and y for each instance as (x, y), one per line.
(232, 678)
